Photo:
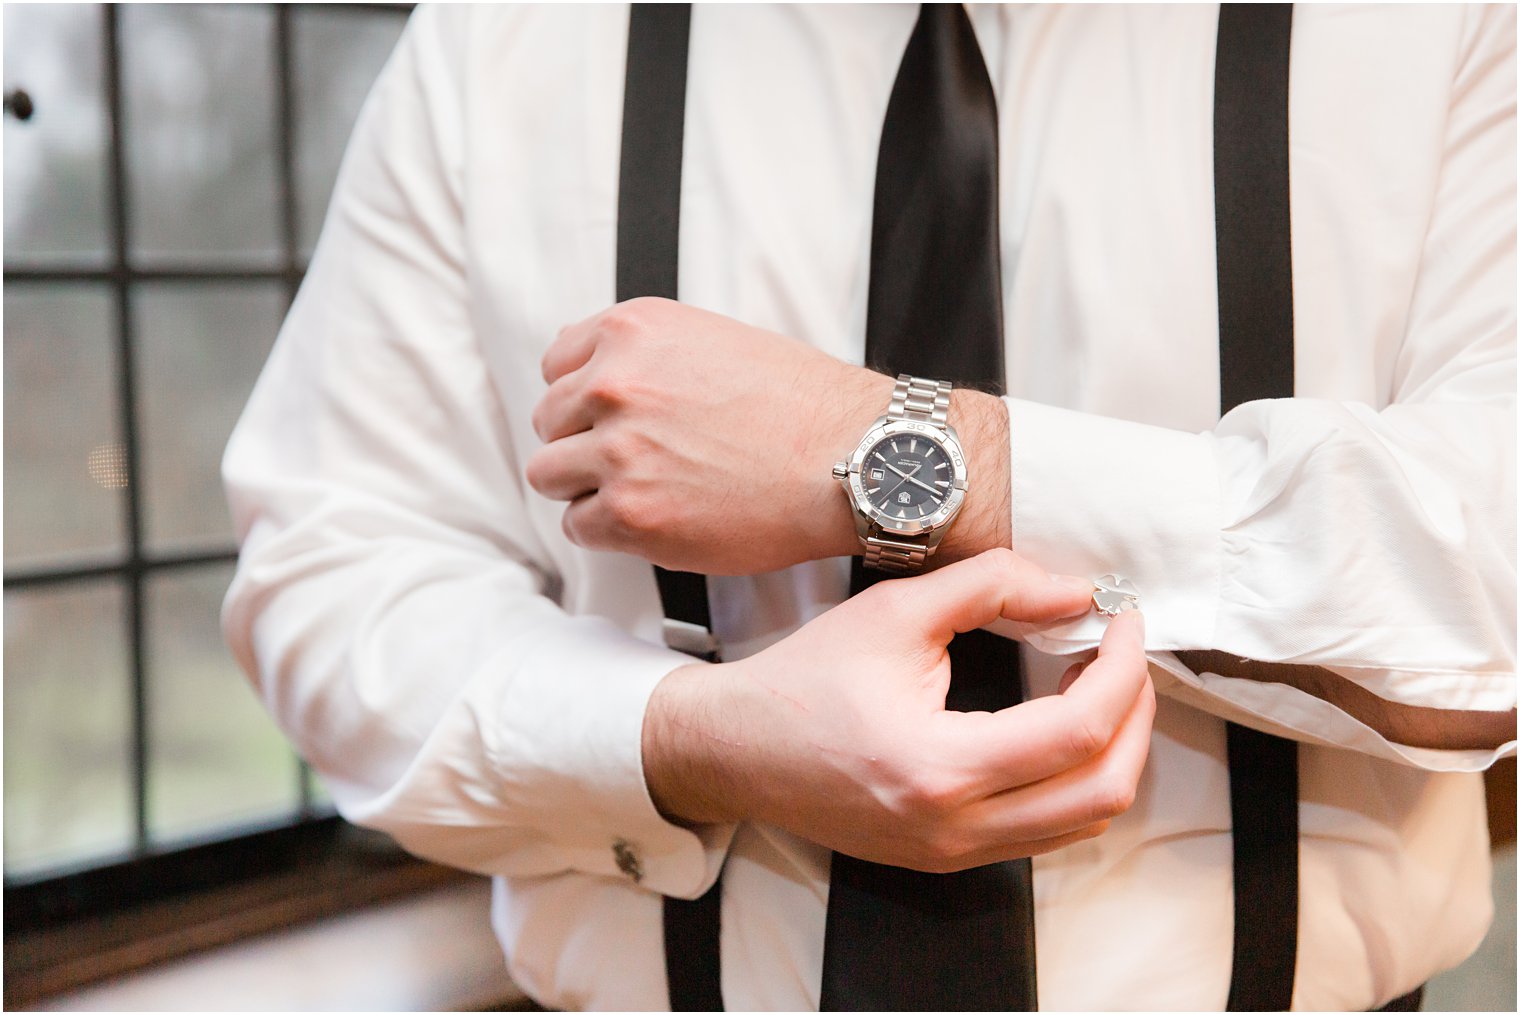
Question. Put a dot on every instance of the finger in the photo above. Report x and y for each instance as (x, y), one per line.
(1097, 790)
(1039, 738)
(587, 523)
(998, 583)
(615, 518)
(571, 348)
(567, 468)
(568, 407)
(1072, 673)
(1019, 850)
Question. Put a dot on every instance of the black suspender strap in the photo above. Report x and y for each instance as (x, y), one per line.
(1255, 271)
(1255, 279)
(648, 243)
(654, 131)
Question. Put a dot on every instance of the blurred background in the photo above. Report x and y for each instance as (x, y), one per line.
(166, 173)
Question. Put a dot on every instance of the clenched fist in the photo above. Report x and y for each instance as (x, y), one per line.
(704, 444)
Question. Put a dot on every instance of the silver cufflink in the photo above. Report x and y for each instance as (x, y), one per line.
(1112, 595)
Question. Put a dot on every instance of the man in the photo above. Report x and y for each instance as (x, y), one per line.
(475, 666)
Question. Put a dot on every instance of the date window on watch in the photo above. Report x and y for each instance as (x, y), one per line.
(877, 475)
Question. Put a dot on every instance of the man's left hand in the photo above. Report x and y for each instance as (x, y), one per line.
(704, 444)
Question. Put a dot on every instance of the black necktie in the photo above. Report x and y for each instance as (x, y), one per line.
(899, 939)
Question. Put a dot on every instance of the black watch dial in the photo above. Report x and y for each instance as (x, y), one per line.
(906, 476)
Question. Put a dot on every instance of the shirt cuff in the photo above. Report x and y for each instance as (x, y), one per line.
(587, 747)
(1286, 711)
(1093, 495)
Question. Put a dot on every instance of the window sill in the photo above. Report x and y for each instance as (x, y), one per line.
(429, 951)
(150, 923)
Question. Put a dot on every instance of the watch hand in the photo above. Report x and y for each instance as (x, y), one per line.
(921, 483)
(905, 475)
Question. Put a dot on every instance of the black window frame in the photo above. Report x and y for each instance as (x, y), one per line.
(312, 837)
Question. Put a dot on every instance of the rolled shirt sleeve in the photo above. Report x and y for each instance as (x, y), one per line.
(390, 601)
(1378, 543)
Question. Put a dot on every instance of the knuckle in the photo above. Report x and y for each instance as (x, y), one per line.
(620, 449)
(1084, 736)
(621, 507)
(931, 862)
(948, 849)
(632, 514)
(1112, 797)
(1095, 829)
(629, 318)
(607, 391)
(934, 794)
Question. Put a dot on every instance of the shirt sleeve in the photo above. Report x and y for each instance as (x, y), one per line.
(1378, 543)
(389, 602)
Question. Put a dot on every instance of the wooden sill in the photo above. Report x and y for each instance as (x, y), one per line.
(428, 951)
(359, 871)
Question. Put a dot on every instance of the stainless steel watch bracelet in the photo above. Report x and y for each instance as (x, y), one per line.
(920, 400)
(894, 555)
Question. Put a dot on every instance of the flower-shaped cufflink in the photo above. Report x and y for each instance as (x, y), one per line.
(1112, 595)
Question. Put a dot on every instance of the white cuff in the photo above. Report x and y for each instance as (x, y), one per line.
(1289, 712)
(1094, 495)
(587, 744)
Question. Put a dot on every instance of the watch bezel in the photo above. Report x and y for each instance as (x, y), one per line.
(948, 441)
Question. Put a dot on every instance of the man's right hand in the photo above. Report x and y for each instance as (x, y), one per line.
(839, 733)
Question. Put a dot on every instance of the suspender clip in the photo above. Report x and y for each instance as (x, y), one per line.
(693, 639)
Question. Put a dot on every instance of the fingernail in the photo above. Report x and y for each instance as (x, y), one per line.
(1071, 581)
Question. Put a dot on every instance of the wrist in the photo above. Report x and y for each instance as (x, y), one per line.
(985, 521)
(690, 743)
(856, 403)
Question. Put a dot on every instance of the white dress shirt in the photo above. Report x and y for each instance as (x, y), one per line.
(468, 680)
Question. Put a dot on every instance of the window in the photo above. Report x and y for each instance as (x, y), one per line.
(160, 203)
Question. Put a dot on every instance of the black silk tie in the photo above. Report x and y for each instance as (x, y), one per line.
(899, 939)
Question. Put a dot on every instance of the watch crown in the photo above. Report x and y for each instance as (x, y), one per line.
(841, 470)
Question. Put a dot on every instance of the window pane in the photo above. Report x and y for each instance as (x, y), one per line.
(215, 757)
(200, 131)
(200, 348)
(338, 54)
(65, 465)
(55, 163)
(68, 745)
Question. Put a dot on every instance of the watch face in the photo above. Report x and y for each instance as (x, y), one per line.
(906, 476)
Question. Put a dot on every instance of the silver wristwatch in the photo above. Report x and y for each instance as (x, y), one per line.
(906, 479)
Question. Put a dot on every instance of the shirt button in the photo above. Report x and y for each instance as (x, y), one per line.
(628, 861)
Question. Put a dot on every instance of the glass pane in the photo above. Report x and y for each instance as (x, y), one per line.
(215, 757)
(338, 54)
(65, 465)
(198, 85)
(68, 745)
(200, 348)
(55, 163)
